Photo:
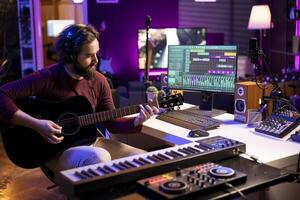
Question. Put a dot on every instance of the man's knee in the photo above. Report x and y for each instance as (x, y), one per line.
(82, 156)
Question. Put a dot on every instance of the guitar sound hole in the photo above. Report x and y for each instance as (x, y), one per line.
(70, 123)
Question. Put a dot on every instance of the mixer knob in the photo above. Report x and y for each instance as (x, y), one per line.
(190, 179)
(201, 183)
(201, 176)
(212, 181)
(178, 172)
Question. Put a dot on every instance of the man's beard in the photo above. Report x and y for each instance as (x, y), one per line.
(86, 72)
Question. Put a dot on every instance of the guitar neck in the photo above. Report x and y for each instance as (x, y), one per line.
(94, 118)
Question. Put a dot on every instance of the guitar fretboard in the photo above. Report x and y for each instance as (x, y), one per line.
(93, 118)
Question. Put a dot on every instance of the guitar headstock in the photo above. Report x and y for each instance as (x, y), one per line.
(170, 101)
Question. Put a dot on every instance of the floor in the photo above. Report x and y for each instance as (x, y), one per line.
(26, 184)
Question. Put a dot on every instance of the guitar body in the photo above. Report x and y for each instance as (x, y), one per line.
(27, 149)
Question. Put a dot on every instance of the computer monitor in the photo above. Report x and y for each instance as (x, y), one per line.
(208, 69)
(160, 38)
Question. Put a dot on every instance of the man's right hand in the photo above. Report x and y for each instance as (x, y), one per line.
(50, 131)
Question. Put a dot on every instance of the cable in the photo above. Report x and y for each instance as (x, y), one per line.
(264, 57)
(275, 98)
(254, 158)
(236, 189)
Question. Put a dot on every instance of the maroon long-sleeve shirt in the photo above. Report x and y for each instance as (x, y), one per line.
(53, 83)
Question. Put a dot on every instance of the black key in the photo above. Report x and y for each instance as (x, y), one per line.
(189, 150)
(157, 157)
(153, 159)
(202, 147)
(184, 151)
(124, 165)
(138, 162)
(163, 156)
(79, 175)
(93, 172)
(130, 164)
(109, 169)
(179, 154)
(194, 150)
(86, 173)
(120, 167)
(104, 171)
(171, 154)
(144, 161)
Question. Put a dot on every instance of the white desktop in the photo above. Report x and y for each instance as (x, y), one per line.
(265, 148)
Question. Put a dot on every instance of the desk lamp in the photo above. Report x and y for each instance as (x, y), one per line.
(260, 19)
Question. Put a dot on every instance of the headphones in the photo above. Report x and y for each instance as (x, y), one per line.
(72, 39)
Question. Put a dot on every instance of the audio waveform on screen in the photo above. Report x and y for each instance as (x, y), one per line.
(210, 82)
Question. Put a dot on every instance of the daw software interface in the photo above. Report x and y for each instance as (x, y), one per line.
(206, 68)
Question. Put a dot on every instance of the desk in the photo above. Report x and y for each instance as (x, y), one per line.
(264, 147)
(267, 149)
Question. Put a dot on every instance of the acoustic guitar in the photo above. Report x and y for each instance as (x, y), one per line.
(27, 149)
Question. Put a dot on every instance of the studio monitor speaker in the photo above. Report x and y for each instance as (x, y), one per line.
(247, 96)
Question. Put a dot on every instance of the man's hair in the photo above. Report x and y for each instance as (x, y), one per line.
(70, 41)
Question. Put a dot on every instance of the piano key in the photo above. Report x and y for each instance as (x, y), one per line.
(79, 175)
(163, 156)
(153, 159)
(130, 164)
(194, 150)
(103, 170)
(118, 166)
(184, 151)
(145, 161)
(109, 169)
(202, 147)
(189, 150)
(124, 165)
(86, 173)
(138, 162)
(158, 157)
(93, 172)
(169, 153)
(177, 153)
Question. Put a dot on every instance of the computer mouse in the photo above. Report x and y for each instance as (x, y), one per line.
(198, 133)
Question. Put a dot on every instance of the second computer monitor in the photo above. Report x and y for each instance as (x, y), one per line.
(206, 68)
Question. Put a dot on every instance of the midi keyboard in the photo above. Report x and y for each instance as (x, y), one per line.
(97, 177)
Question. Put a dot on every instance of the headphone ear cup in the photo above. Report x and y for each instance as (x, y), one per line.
(71, 58)
(68, 52)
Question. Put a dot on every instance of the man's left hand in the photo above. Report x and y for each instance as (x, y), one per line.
(145, 113)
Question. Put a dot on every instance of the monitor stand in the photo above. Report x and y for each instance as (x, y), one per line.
(206, 106)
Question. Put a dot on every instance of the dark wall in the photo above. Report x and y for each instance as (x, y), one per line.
(229, 17)
(122, 20)
(9, 42)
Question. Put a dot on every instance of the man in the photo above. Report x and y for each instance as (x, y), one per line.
(75, 74)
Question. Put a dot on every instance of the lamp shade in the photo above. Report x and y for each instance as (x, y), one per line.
(260, 17)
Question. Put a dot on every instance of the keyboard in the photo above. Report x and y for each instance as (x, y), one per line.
(189, 120)
(104, 176)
